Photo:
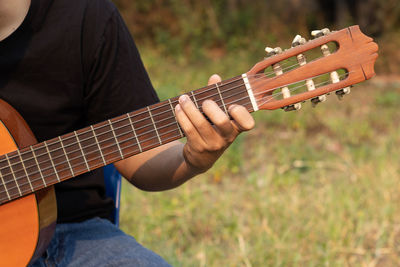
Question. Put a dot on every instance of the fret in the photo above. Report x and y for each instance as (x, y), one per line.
(88, 142)
(13, 175)
(235, 92)
(194, 99)
(106, 138)
(29, 175)
(73, 154)
(23, 166)
(58, 158)
(145, 129)
(222, 100)
(18, 170)
(37, 163)
(9, 175)
(126, 139)
(63, 149)
(155, 128)
(134, 133)
(51, 161)
(116, 140)
(45, 165)
(176, 121)
(98, 145)
(165, 121)
(80, 147)
(250, 92)
(5, 188)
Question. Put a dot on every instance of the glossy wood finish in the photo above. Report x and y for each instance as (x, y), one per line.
(357, 54)
(26, 224)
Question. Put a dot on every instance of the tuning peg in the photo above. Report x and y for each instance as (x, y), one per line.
(342, 92)
(273, 51)
(269, 49)
(296, 106)
(319, 33)
(298, 40)
(318, 99)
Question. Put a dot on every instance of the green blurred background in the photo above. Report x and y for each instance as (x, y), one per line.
(315, 187)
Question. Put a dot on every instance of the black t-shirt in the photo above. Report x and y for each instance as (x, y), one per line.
(70, 64)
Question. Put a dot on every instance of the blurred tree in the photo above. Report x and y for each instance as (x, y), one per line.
(215, 20)
(194, 28)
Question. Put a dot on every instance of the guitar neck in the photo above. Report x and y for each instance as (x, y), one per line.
(33, 168)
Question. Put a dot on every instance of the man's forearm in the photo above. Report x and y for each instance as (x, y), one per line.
(159, 169)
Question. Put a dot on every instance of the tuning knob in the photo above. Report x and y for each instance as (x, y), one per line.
(273, 51)
(318, 99)
(293, 107)
(342, 92)
(269, 50)
(298, 40)
(319, 33)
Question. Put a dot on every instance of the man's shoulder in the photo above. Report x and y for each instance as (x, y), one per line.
(79, 19)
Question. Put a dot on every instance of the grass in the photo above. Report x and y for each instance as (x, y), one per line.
(315, 187)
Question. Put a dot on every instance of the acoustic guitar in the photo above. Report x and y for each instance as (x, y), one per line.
(331, 62)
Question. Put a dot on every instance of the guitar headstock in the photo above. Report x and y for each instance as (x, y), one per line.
(331, 62)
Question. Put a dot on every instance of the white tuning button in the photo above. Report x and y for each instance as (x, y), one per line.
(279, 71)
(301, 59)
(298, 40)
(340, 93)
(269, 49)
(319, 33)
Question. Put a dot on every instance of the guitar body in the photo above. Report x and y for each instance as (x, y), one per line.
(26, 224)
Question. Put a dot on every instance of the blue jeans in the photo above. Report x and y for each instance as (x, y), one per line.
(96, 242)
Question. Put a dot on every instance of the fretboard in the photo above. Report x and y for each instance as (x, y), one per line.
(35, 167)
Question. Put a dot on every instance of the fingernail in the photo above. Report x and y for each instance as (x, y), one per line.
(183, 99)
(231, 107)
(177, 108)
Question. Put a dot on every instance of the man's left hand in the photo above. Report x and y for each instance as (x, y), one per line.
(205, 141)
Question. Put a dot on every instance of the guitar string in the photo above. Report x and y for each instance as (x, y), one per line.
(156, 143)
(166, 132)
(344, 75)
(112, 159)
(104, 141)
(115, 158)
(141, 113)
(115, 129)
(119, 135)
(235, 79)
(121, 120)
(238, 78)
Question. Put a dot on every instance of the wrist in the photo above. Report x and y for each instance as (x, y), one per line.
(192, 169)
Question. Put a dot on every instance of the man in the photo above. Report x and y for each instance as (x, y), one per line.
(66, 64)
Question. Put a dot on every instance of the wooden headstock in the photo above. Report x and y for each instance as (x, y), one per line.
(356, 54)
